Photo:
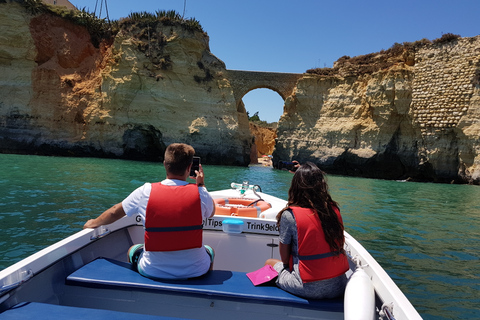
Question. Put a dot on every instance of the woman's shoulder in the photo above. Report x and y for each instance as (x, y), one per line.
(288, 215)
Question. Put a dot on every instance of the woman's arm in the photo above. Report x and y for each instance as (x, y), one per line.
(285, 252)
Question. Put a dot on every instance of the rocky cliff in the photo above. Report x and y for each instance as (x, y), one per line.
(418, 117)
(264, 139)
(408, 113)
(127, 96)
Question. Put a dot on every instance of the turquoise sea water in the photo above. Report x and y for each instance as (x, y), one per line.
(426, 236)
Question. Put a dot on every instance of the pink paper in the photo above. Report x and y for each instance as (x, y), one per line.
(262, 275)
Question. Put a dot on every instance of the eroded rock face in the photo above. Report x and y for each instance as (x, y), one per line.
(409, 121)
(353, 119)
(152, 85)
(143, 143)
(177, 86)
(264, 139)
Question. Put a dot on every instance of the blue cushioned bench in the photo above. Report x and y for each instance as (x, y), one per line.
(35, 310)
(106, 273)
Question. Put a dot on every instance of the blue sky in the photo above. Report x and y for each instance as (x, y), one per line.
(294, 36)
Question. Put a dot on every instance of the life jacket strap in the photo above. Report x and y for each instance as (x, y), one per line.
(319, 256)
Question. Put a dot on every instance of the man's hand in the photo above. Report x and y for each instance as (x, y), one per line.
(109, 216)
(90, 224)
(200, 178)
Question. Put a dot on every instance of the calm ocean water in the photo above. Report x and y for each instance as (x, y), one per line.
(426, 236)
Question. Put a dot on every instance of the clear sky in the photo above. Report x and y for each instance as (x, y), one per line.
(294, 36)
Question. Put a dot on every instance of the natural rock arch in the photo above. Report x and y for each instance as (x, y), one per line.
(243, 82)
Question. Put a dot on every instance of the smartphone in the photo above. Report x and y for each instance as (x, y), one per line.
(195, 166)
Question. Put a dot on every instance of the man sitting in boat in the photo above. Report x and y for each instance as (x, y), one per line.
(313, 261)
(172, 212)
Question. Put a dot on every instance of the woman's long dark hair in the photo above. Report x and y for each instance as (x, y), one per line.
(309, 189)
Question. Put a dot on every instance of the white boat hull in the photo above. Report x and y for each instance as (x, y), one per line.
(42, 277)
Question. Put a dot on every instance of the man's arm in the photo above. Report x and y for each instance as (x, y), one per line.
(213, 211)
(199, 179)
(109, 216)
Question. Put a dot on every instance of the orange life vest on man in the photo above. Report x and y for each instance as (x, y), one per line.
(316, 261)
(173, 219)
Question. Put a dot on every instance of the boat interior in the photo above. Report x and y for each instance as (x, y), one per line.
(96, 281)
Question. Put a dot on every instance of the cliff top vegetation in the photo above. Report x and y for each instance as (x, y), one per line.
(255, 119)
(373, 62)
(103, 29)
(167, 18)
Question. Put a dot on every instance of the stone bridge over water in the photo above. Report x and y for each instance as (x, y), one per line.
(243, 82)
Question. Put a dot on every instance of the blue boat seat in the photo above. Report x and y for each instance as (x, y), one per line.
(107, 273)
(38, 311)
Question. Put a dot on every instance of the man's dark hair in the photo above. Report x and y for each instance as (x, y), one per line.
(178, 157)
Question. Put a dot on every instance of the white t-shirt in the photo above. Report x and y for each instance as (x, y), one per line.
(169, 264)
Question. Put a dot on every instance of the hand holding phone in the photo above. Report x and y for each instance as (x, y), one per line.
(195, 166)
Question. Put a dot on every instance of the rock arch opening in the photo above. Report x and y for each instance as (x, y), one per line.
(243, 82)
(264, 106)
(267, 102)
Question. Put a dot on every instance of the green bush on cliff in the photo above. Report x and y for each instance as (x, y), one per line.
(171, 15)
(447, 37)
(168, 18)
(255, 119)
(142, 16)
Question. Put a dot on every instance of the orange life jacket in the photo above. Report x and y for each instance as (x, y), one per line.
(173, 218)
(316, 261)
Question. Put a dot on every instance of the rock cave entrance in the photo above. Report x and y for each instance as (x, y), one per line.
(264, 106)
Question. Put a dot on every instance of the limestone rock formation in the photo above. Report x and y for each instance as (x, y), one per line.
(264, 139)
(416, 121)
(406, 113)
(149, 86)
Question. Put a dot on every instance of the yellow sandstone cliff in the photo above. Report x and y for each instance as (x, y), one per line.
(409, 113)
(418, 118)
(128, 97)
(264, 139)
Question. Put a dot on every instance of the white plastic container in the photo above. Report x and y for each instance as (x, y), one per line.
(232, 226)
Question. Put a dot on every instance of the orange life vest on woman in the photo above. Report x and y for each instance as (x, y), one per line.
(173, 218)
(316, 261)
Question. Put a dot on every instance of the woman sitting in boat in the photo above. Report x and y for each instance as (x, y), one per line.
(313, 261)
